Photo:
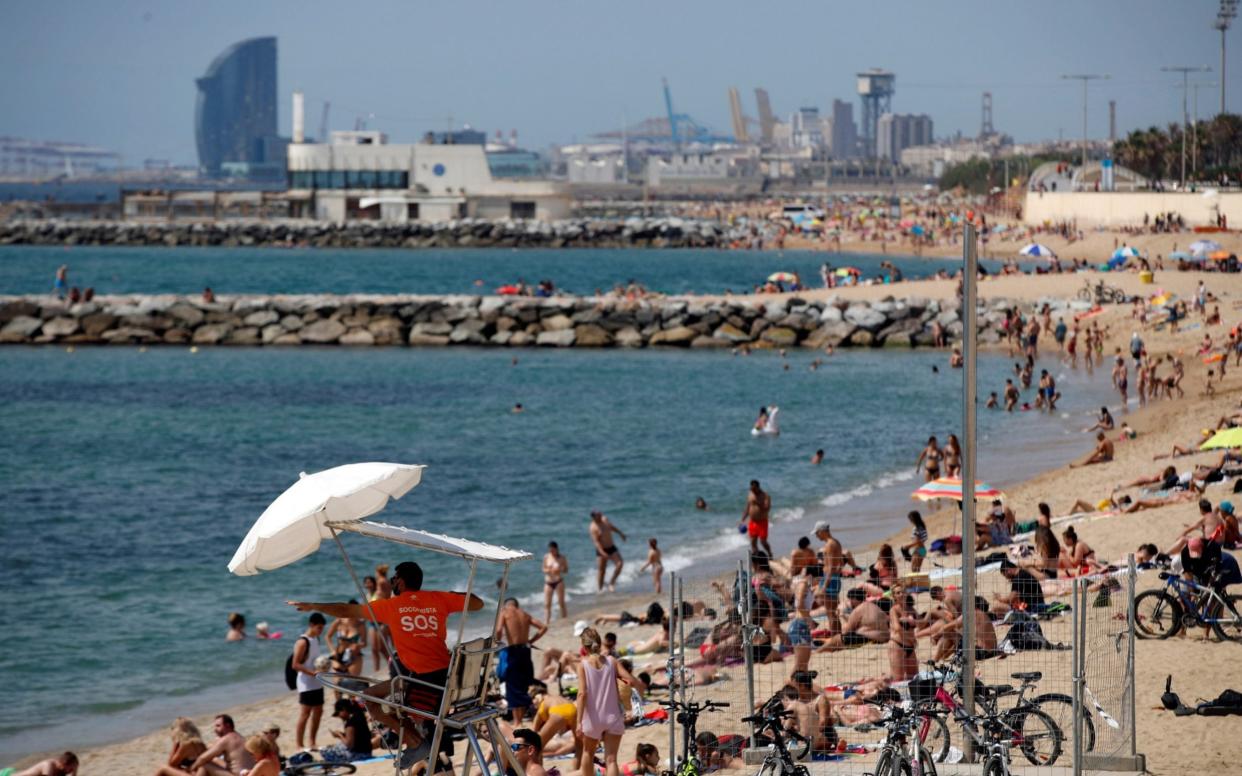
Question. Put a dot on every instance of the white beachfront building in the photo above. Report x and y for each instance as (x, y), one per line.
(360, 176)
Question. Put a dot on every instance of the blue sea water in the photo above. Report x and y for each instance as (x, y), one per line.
(115, 270)
(130, 477)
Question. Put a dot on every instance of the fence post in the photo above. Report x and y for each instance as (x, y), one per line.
(1079, 625)
(970, 336)
(743, 598)
(1131, 701)
(672, 671)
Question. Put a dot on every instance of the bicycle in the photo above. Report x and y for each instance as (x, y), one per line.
(779, 760)
(687, 715)
(1058, 706)
(1026, 727)
(1100, 293)
(1181, 603)
(904, 752)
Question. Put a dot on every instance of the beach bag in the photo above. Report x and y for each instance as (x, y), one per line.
(291, 674)
(502, 664)
(1227, 703)
(1025, 634)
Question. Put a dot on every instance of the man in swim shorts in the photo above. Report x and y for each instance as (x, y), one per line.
(605, 549)
(833, 560)
(515, 626)
(867, 624)
(755, 518)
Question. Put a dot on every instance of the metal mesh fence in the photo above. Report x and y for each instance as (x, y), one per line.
(769, 636)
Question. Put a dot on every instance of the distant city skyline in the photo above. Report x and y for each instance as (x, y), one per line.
(121, 75)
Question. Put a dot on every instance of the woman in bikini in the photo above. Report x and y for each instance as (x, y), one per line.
(1077, 558)
(554, 715)
(555, 567)
(1046, 560)
(903, 659)
(929, 460)
(187, 746)
(646, 762)
(952, 457)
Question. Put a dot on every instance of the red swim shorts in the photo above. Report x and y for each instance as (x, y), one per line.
(757, 530)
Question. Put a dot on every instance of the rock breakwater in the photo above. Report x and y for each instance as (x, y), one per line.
(375, 320)
(459, 233)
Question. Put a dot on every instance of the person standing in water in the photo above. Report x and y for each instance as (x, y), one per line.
(655, 564)
(605, 549)
(755, 518)
(555, 567)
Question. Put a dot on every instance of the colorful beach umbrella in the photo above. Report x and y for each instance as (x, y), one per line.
(1203, 247)
(782, 277)
(951, 487)
(1036, 250)
(1125, 252)
(1230, 437)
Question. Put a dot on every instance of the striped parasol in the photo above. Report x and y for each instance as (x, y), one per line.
(951, 487)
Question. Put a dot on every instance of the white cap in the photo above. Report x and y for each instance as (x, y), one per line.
(580, 626)
(822, 525)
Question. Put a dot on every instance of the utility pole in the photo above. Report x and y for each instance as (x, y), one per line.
(1185, 70)
(1086, 79)
(1224, 17)
(1194, 125)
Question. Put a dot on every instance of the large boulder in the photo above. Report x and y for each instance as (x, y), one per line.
(780, 336)
(18, 307)
(590, 335)
(21, 327)
(245, 335)
(292, 323)
(60, 327)
(211, 333)
(357, 337)
(125, 334)
(386, 330)
(562, 338)
(186, 313)
(322, 332)
(520, 339)
(628, 337)
(271, 333)
(680, 336)
(558, 322)
(177, 336)
(730, 334)
(862, 338)
(864, 316)
(427, 340)
(261, 318)
(469, 331)
(705, 342)
(432, 328)
(829, 334)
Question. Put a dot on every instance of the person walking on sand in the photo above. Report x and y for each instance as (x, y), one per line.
(555, 567)
(1121, 378)
(606, 549)
(598, 704)
(755, 518)
(654, 563)
(310, 689)
(515, 626)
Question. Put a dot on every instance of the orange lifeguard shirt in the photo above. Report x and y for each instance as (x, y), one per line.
(418, 621)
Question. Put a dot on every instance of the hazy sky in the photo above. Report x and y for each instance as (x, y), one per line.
(120, 74)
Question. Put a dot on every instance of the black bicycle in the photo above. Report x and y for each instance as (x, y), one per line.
(687, 715)
(780, 759)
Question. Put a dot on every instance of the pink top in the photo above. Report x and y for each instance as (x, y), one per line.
(602, 710)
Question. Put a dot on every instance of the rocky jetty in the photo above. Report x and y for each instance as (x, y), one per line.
(459, 233)
(373, 320)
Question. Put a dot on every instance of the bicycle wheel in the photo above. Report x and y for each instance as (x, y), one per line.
(1035, 734)
(1157, 615)
(1060, 708)
(937, 741)
(797, 745)
(890, 765)
(927, 762)
(994, 767)
(1228, 623)
(1085, 294)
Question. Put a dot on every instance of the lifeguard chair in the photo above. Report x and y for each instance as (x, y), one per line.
(325, 504)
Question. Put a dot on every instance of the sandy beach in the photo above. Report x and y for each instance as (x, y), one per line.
(1201, 668)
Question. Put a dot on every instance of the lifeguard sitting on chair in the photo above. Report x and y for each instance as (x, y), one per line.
(417, 620)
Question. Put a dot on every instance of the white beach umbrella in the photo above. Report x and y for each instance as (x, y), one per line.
(294, 524)
(1204, 247)
(1038, 251)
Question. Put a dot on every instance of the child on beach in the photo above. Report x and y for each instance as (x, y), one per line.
(653, 562)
